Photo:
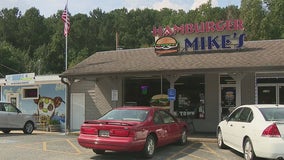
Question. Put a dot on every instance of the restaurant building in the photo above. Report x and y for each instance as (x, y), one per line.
(198, 71)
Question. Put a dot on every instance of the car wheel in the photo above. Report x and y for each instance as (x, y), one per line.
(98, 151)
(248, 150)
(149, 148)
(28, 128)
(6, 131)
(183, 138)
(220, 140)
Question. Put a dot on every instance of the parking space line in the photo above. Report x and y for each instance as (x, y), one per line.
(203, 148)
(194, 156)
(212, 151)
(174, 155)
(76, 148)
(44, 146)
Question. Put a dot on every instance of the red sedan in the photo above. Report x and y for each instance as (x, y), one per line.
(133, 129)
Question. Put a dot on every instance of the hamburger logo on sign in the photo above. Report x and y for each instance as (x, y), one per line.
(166, 45)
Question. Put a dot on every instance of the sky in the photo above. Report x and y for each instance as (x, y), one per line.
(49, 7)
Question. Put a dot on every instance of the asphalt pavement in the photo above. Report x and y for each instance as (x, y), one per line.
(59, 146)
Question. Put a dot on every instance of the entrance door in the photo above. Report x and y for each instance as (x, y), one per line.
(13, 98)
(77, 110)
(228, 98)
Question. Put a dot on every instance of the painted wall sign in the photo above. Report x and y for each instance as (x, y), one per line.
(25, 78)
(203, 36)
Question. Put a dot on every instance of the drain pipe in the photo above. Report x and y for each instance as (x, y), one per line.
(67, 100)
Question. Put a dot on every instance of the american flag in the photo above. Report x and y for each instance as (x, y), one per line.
(66, 20)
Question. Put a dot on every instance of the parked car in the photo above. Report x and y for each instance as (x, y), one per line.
(133, 129)
(254, 130)
(11, 118)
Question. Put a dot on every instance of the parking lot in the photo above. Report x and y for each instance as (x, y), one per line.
(58, 146)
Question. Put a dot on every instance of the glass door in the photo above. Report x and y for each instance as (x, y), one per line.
(228, 99)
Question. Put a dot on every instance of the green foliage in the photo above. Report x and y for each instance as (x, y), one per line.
(33, 43)
(53, 122)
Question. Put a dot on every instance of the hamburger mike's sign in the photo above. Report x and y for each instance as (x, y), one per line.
(202, 36)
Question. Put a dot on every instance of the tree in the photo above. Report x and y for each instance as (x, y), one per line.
(33, 31)
(273, 27)
(9, 25)
(12, 60)
(252, 13)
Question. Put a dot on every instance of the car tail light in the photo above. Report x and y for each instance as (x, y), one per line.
(119, 132)
(271, 131)
(89, 130)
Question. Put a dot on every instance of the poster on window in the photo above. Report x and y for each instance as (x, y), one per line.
(228, 96)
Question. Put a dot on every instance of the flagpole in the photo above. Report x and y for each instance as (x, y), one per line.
(66, 51)
(66, 46)
(67, 93)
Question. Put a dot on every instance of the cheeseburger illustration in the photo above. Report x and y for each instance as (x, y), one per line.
(160, 100)
(166, 45)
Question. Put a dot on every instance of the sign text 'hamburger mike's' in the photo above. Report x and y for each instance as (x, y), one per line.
(203, 36)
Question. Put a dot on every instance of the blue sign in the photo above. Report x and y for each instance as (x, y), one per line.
(171, 94)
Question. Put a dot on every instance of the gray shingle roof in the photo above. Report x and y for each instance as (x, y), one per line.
(264, 55)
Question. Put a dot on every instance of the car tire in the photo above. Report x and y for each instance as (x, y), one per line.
(149, 148)
(98, 151)
(220, 141)
(248, 150)
(28, 128)
(183, 138)
(6, 131)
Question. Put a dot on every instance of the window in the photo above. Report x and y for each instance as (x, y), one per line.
(273, 114)
(235, 116)
(127, 115)
(2, 107)
(166, 117)
(244, 117)
(30, 93)
(10, 108)
(157, 118)
(190, 97)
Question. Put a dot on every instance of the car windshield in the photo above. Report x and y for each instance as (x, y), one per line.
(273, 114)
(126, 115)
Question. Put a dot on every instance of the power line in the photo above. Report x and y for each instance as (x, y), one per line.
(11, 69)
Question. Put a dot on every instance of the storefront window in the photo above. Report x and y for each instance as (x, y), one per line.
(270, 90)
(153, 92)
(190, 96)
(140, 90)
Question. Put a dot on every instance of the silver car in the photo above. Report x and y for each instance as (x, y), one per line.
(11, 118)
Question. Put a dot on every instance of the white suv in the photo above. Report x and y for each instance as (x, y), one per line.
(11, 118)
